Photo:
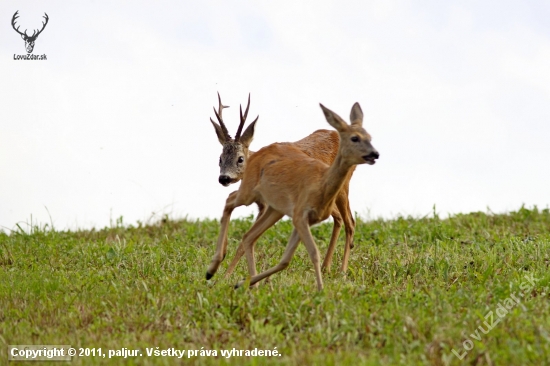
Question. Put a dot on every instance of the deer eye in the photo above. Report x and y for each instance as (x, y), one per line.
(355, 138)
(240, 160)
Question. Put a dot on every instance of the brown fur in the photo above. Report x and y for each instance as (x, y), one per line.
(292, 183)
(321, 145)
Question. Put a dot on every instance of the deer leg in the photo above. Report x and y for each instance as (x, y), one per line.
(285, 260)
(264, 222)
(240, 249)
(333, 239)
(261, 209)
(221, 246)
(301, 224)
(349, 227)
(342, 201)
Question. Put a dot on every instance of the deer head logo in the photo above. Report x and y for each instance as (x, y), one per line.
(29, 40)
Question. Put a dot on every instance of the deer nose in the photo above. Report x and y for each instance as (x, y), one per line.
(374, 154)
(224, 180)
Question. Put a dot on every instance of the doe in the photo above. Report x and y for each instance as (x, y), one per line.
(321, 145)
(289, 182)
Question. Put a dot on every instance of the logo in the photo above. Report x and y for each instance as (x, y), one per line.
(29, 40)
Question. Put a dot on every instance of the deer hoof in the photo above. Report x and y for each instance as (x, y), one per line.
(209, 276)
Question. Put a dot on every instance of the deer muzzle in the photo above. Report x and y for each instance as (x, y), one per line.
(371, 158)
(224, 180)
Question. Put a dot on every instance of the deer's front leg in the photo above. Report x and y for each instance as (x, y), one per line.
(349, 227)
(342, 206)
(240, 250)
(337, 217)
(285, 260)
(261, 209)
(302, 226)
(267, 220)
(221, 246)
(342, 201)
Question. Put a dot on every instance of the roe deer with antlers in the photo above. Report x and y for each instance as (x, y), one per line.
(291, 183)
(321, 145)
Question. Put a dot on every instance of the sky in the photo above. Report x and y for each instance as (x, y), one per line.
(114, 125)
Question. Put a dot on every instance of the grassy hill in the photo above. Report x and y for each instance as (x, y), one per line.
(416, 290)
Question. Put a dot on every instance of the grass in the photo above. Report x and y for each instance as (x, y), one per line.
(416, 289)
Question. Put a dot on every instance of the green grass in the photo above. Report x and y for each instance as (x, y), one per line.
(415, 290)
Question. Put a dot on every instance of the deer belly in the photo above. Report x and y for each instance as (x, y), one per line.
(276, 197)
(283, 182)
(280, 202)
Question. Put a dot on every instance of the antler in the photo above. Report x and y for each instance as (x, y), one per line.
(43, 26)
(243, 119)
(15, 16)
(34, 34)
(219, 117)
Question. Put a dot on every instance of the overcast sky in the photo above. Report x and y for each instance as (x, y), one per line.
(116, 121)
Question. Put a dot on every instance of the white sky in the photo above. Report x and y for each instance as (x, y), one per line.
(116, 121)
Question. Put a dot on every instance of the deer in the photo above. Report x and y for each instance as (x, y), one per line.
(289, 182)
(29, 40)
(321, 145)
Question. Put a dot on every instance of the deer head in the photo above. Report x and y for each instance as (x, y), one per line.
(355, 142)
(235, 151)
(29, 40)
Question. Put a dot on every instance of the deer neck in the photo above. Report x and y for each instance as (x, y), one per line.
(334, 178)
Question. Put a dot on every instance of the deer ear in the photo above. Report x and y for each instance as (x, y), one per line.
(334, 120)
(219, 132)
(23, 36)
(356, 115)
(248, 134)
